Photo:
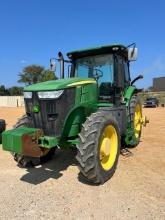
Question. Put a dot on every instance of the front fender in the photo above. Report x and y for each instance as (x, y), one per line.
(75, 118)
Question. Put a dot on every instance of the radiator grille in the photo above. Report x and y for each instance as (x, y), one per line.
(52, 111)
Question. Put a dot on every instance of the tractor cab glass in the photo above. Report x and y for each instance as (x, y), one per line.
(99, 67)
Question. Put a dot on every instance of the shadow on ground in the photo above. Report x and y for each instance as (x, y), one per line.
(52, 169)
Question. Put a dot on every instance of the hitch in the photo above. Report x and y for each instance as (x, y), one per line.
(144, 121)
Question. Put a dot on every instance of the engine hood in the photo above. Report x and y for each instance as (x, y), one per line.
(59, 84)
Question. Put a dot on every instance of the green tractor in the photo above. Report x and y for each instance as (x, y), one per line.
(96, 109)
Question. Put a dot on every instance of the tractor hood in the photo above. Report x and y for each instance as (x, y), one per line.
(59, 84)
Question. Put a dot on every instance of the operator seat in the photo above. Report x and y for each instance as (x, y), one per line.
(106, 92)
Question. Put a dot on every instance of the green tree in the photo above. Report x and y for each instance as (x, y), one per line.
(34, 74)
(15, 90)
(48, 75)
(31, 74)
(3, 91)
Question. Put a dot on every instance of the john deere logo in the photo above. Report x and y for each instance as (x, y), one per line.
(36, 108)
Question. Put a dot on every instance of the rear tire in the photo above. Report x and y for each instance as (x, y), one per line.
(26, 161)
(99, 147)
(134, 117)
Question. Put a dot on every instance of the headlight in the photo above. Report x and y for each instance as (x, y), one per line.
(27, 95)
(50, 94)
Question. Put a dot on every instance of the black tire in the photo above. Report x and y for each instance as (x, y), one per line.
(2, 125)
(135, 100)
(2, 128)
(25, 161)
(88, 154)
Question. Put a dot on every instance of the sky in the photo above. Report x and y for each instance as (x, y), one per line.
(33, 31)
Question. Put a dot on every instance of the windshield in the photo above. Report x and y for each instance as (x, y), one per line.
(99, 67)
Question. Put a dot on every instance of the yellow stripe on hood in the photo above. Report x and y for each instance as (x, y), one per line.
(81, 83)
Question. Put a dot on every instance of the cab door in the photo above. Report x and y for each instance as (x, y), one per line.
(121, 78)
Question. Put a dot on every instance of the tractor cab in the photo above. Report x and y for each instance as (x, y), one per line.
(108, 65)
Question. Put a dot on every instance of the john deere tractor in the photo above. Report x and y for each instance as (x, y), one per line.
(96, 109)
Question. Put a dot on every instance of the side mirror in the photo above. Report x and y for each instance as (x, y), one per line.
(132, 53)
(53, 64)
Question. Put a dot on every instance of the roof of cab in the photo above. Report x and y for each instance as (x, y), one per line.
(97, 50)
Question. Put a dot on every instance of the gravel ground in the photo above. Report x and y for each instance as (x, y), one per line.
(55, 191)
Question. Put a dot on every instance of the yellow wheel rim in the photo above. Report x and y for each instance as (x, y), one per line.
(108, 147)
(137, 121)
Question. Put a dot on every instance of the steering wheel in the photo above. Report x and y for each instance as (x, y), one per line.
(98, 73)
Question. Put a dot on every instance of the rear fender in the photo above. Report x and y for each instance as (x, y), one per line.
(129, 92)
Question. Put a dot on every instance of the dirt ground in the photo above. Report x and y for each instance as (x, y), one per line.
(55, 191)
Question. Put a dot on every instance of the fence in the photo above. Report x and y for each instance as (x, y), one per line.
(11, 101)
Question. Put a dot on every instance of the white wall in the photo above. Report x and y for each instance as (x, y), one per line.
(11, 101)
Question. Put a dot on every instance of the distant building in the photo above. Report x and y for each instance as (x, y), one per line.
(159, 84)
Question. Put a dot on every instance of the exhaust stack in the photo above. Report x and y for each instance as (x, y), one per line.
(61, 58)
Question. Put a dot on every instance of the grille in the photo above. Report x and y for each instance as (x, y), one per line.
(52, 111)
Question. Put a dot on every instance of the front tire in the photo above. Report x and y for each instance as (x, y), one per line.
(99, 147)
(2, 128)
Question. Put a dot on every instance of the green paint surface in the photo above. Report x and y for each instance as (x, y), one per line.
(48, 142)
(85, 104)
(104, 104)
(36, 108)
(128, 94)
(12, 139)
